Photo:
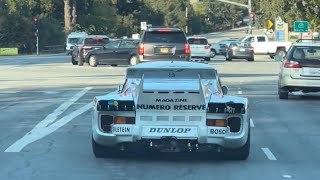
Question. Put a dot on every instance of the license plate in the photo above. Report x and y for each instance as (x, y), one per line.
(169, 131)
(242, 50)
(164, 50)
(217, 131)
(311, 71)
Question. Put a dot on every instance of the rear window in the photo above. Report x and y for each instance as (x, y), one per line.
(164, 37)
(96, 41)
(73, 40)
(305, 53)
(197, 41)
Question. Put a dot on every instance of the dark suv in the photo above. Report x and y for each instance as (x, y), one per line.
(163, 44)
(85, 44)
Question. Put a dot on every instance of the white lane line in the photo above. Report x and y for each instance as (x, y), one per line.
(269, 154)
(287, 176)
(239, 92)
(43, 127)
(251, 123)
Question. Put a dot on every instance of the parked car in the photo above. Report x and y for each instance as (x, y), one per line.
(220, 48)
(164, 44)
(238, 50)
(123, 51)
(200, 48)
(299, 69)
(85, 44)
(262, 45)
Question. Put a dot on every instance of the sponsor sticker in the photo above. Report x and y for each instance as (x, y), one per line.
(121, 130)
(217, 131)
(169, 131)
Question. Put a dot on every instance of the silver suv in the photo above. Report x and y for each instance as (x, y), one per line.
(163, 44)
(299, 69)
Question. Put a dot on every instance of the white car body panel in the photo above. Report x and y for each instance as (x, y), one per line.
(171, 99)
(200, 50)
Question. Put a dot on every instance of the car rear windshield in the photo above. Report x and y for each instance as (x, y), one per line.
(96, 41)
(164, 37)
(73, 40)
(197, 41)
(305, 53)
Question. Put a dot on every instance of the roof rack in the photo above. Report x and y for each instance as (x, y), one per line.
(308, 40)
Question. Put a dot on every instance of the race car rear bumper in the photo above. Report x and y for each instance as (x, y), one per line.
(231, 140)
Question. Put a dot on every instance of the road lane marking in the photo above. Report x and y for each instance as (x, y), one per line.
(251, 123)
(287, 176)
(43, 127)
(239, 92)
(38, 133)
(269, 154)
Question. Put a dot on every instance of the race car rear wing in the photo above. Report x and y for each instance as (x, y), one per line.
(170, 73)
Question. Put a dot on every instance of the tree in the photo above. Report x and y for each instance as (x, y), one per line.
(67, 17)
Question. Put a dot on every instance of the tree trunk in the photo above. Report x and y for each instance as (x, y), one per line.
(74, 16)
(67, 17)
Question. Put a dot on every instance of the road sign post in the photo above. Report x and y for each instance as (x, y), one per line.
(301, 27)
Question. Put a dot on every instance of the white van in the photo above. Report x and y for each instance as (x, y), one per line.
(73, 39)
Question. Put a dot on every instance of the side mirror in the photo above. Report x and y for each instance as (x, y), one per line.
(119, 88)
(224, 90)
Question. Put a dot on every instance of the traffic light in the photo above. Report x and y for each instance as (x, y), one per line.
(252, 19)
(36, 26)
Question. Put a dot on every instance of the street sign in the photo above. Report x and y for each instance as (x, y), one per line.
(269, 24)
(143, 25)
(301, 26)
(280, 26)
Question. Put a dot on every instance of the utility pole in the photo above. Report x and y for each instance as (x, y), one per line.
(186, 20)
(249, 12)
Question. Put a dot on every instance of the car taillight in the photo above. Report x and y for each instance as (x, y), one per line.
(250, 48)
(164, 30)
(217, 122)
(141, 49)
(291, 64)
(86, 47)
(124, 120)
(106, 122)
(187, 48)
(207, 47)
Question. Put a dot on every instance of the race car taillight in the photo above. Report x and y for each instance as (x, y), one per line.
(217, 122)
(124, 120)
(105, 123)
(187, 48)
(141, 49)
(291, 64)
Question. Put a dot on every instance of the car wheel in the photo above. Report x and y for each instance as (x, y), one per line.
(213, 53)
(283, 93)
(93, 61)
(80, 62)
(241, 153)
(251, 59)
(73, 61)
(100, 151)
(133, 60)
(281, 52)
(207, 59)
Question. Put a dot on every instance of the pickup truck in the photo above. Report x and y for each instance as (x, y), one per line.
(262, 45)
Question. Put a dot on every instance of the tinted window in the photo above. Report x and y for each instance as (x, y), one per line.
(197, 41)
(261, 39)
(305, 53)
(114, 44)
(96, 41)
(129, 44)
(73, 40)
(164, 37)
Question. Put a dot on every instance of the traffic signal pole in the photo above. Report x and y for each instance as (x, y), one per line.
(249, 11)
(37, 41)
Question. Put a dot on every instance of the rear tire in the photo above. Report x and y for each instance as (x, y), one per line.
(283, 93)
(228, 58)
(73, 61)
(251, 59)
(241, 153)
(281, 52)
(213, 53)
(80, 62)
(93, 62)
(100, 151)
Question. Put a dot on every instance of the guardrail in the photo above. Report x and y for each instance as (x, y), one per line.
(53, 49)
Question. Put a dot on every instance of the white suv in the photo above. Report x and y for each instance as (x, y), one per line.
(200, 48)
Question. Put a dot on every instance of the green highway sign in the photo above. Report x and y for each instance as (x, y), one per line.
(301, 26)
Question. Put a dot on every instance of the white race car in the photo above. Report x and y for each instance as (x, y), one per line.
(171, 107)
